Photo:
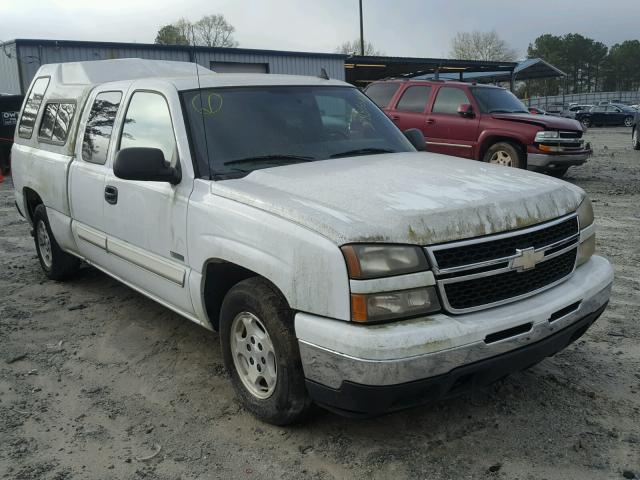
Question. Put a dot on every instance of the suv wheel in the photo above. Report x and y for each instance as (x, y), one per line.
(57, 264)
(628, 122)
(586, 122)
(260, 352)
(505, 154)
(635, 140)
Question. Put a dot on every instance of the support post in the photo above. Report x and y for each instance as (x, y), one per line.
(361, 31)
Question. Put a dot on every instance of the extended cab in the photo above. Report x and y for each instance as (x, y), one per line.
(339, 264)
(482, 122)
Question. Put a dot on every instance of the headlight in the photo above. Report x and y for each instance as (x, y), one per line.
(546, 135)
(375, 261)
(585, 213)
(377, 307)
(587, 245)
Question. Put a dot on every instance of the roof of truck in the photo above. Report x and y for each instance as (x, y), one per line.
(83, 75)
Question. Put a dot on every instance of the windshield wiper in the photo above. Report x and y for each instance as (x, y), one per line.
(265, 158)
(362, 151)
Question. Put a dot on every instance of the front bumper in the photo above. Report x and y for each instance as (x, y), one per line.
(359, 369)
(546, 161)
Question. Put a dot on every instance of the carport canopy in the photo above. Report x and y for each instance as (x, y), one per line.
(362, 70)
(529, 69)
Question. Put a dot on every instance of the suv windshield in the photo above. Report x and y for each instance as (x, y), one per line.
(497, 100)
(249, 128)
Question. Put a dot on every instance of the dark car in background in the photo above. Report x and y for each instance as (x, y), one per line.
(607, 116)
(635, 133)
(573, 110)
(9, 111)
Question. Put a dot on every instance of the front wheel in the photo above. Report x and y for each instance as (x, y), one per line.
(261, 354)
(635, 140)
(56, 263)
(586, 122)
(628, 122)
(505, 154)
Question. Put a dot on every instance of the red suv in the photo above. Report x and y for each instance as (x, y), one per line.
(482, 122)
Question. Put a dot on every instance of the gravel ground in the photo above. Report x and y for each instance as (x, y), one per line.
(95, 378)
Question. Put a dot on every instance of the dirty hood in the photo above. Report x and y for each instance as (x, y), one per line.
(414, 198)
(546, 121)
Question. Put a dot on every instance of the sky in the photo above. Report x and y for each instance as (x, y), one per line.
(420, 28)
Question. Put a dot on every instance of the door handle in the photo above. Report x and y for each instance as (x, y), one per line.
(395, 118)
(430, 121)
(111, 194)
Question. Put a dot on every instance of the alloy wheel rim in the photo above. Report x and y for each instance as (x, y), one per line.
(501, 158)
(254, 355)
(628, 122)
(44, 242)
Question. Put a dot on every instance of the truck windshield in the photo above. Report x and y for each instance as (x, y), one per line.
(497, 100)
(249, 128)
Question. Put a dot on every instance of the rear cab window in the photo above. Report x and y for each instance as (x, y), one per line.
(97, 134)
(414, 99)
(56, 121)
(382, 93)
(32, 107)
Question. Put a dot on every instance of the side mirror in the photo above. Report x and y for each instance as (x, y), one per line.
(466, 110)
(416, 138)
(146, 164)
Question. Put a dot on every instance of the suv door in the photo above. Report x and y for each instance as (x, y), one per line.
(448, 132)
(146, 221)
(411, 107)
(88, 170)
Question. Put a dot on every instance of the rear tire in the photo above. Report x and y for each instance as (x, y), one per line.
(635, 139)
(56, 264)
(586, 122)
(506, 154)
(261, 354)
(628, 122)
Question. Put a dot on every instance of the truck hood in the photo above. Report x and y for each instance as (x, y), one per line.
(546, 121)
(413, 198)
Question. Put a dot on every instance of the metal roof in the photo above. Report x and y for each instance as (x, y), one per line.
(155, 46)
(529, 69)
(365, 69)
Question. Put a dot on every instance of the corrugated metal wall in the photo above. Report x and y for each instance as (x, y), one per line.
(9, 77)
(285, 64)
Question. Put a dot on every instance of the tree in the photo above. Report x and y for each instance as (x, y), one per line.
(209, 31)
(171, 35)
(353, 48)
(214, 31)
(487, 46)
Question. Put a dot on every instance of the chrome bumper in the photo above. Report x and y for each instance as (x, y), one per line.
(543, 160)
(334, 351)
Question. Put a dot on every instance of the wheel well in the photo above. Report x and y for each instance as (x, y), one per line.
(220, 277)
(489, 142)
(32, 200)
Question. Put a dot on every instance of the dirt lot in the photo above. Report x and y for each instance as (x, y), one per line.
(95, 377)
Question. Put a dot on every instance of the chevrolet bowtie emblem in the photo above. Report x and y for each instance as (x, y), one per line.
(526, 259)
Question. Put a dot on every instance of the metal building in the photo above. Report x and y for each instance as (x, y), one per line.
(21, 58)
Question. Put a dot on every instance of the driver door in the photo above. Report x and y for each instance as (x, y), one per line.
(145, 221)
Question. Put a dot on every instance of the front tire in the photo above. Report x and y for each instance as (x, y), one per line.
(635, 139)
(56, 264)
(261, 354)
(506, 154)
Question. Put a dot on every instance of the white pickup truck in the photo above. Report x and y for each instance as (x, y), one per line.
(340, 264)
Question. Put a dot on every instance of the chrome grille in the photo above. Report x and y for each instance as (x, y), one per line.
(492, 270)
